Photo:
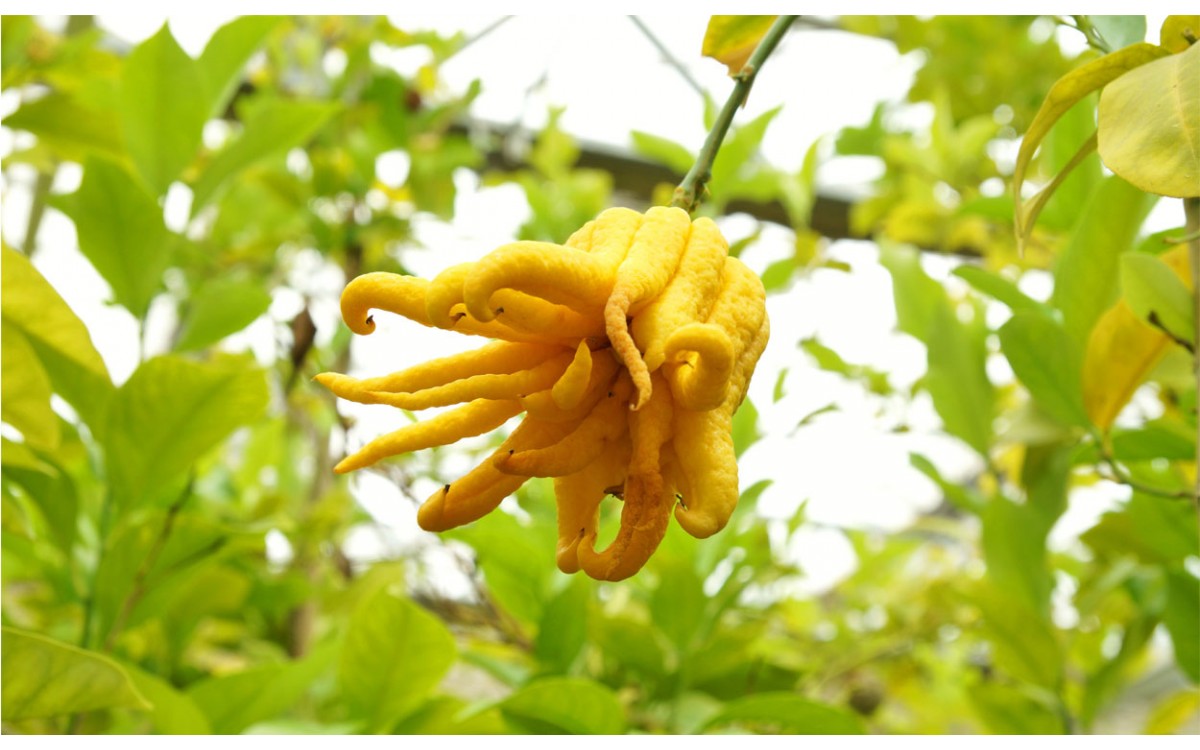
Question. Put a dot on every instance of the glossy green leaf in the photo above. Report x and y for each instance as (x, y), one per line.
(745, 427)
(236, 701)
(219, 308)
(1069, 89)
(393, 655)
(562, 631)
(1000, 289)
(1047, 362)
(917, 296)
(163, 109)
(50, 488)
(678, 605)
(1025, 644)
(1014, 548)
(732, 39)
(957, 377)
(272, 128)
(1150, 126)
(1157, 531)
(44, 678)
(1011, 709)
(31, 305)
(25, 390)
(173, 712)
(1086, 277)
(70, 127)
(121, 231)
(662, 150)
(1157, 295)
(1120, 31)
(1182, 620)
(516, 566)
(565, 705)
(788, 713)
(225, 56)
(169, 413)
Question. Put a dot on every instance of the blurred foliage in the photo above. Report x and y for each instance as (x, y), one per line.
(138, 593)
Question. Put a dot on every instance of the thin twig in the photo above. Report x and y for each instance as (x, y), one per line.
(1094, 38)
(480, 35)
(1191, 210)
(1120, 476)
(139, 578)
(670, 58)
(691, 189)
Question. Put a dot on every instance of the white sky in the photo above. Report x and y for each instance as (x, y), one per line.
(850, 467)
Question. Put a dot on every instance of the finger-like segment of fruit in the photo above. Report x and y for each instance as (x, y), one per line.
(479, 491)
(496, 358)
(472, 419)
(700, 357)
(406, 295)
(648, 499)
(528, 314)
(555, 273)
(612, 235)
(647, 269)
(392, 292)
(600, 380)
(703, 443)
(445, 291)
(569, 390)
(579, 496)
(508, 386)
(581, 238)
(688, 298)
(569, 455)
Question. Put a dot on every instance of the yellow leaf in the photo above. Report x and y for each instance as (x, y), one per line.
(1150, 125)
(1121, 351)
(732, 39)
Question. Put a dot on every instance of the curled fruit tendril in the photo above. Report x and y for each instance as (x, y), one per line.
(628, 349)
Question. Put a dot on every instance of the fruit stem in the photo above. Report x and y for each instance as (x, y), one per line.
(691, 191)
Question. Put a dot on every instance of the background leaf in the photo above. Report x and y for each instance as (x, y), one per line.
(564, 705)
(790, 713)
(394, 654)
(732, 39)
(42, 677)
(181, 408)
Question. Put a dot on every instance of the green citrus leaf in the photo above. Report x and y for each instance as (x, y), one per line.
(1047, 362)
(43, 678)
(565, 705)
(788, 712)
(1157, 295)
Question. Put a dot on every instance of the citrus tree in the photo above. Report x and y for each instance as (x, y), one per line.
(179, 555)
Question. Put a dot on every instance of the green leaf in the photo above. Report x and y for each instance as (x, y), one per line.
(1000, 289)
(163, 109)
(235, 701)
(173, 712)
(1014, 547)
(677, 607)
(43, 678)
(393, 655)
(1047, 362)
(917, 296)
(221, 307)
(1085, 280)
(171, 412)
(1172, 714)
(25, 390)
(1025, 643)
(121, 231)
(1009, 709)
(732, 39)
(1065, 93)
(225, 56)
(516, 566)
(789, 713)
(745, 427)
(1182, 620)
(1157, 531)
(71, 128)
(1120, 31)
(662, 150)
(29, 304)
(51, 489)
(274, 127)
(1149, 128)
(565, 705)
(562, 631)
(1157, 295)
(957, 378)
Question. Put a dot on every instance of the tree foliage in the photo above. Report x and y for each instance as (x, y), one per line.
(143, 589)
